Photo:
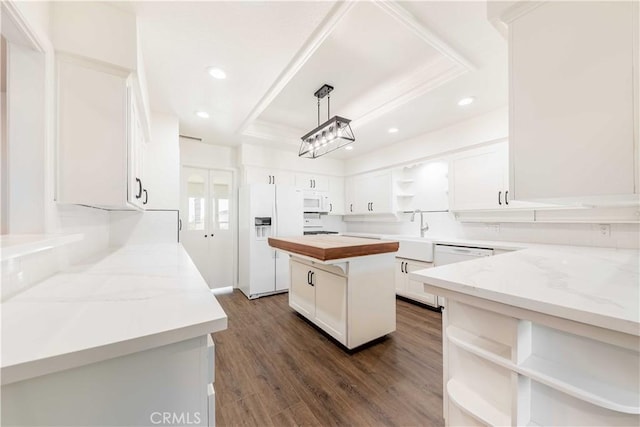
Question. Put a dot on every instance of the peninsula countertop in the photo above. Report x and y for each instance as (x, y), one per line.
(130, 299)
(596, 286)
(332, 247)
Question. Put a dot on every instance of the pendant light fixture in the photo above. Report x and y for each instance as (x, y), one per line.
(328, 136)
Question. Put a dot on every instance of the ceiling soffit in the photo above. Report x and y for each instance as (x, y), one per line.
(385, 97)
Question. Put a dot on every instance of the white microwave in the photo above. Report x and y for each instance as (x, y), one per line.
(316, 201)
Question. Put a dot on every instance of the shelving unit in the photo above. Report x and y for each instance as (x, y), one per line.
(504, 369)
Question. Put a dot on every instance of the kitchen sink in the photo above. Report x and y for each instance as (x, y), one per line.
(415, 248)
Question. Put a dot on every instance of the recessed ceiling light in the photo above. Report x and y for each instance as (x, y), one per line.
(466, 101)
(393, 130)
(349, 147)
(202, 114)
(217, 73)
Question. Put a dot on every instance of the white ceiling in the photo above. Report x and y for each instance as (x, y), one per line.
(393, 64)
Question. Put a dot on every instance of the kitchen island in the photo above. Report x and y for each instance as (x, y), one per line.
(541, 337)
(344, 285)
(121, 339)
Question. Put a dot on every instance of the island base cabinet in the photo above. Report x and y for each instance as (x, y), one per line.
(168, 385)
(353, 301)
(510, 366)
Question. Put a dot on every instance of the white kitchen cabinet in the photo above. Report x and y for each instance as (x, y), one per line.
(342, 298)
(336, 195)
(302, 293)
(100, 140)
(409, 288)
(312, 182)
(321, 296)
(479, 180)
(349, 195)
(331, 303)
(370, 194)
(257, 175)
(574, 119)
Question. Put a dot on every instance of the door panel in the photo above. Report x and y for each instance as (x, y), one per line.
(302, 296)
(194, 214)
(221, 243)
(331, 303)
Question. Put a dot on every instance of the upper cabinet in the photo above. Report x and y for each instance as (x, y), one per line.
(100, 140)
(479, 180)
(369, 194)
(256, 175)
(574, 112)
(312, 182)
(336, 195)
(103, 121)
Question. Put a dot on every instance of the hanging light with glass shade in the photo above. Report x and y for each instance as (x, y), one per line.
(329, 136)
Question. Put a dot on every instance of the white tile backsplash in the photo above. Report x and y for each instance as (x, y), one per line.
(442, 225)
(133, 227)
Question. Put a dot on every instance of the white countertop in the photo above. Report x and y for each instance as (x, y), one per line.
(596, 286)
(131, 299)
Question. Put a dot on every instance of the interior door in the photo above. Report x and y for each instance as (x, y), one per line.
(194, 214)
(221, 245)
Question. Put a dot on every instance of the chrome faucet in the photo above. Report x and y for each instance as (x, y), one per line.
(423, 225)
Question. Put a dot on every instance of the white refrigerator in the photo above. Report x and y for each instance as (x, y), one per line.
(264, 211)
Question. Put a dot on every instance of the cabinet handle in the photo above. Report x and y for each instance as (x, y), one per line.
(139, 181)
(274, 178)
(309, 277)
(180, 224)
(205, 236)
(146, 197)
(500, 198)
(312, 276)
(371, 206)
(330, 207)
(506, 197)
(402, 267)
(351, 207)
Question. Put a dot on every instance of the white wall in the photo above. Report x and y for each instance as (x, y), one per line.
(126, 228)
(162, 163)
(256, 155)
(198, 154)
(477, 130)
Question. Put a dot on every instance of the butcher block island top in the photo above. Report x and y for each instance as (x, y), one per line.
(331, 247)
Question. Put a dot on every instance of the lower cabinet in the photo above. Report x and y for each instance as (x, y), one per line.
(168, 385)
(352, 300)
(320, 296)
(410, 288)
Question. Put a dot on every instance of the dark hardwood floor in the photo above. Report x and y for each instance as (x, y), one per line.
(273, 368)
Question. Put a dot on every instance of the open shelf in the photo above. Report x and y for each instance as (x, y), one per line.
(474, 405)
(483, 347)
(580, 386)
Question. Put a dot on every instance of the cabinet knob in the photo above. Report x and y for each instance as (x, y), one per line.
(139, 181)
(500, 198)
(506, 197)
(146, 197)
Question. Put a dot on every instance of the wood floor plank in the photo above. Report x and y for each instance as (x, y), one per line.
(274, 368)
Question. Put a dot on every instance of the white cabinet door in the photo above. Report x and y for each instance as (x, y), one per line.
(400, 277)
(336, 195)
(573, 80)
(257, 175)
(138, 193)
(415, 289)
(93, 110)
(331, 303)
(379, 191)
(312, 182)
(302, 294)
(349, 195)
(477, 178)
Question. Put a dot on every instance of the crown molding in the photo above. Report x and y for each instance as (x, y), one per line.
(417, 84)
(25, 34)
(312, 44)
(403, 16)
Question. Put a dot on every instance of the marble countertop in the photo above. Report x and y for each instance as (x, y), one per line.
(596, 286)
(130, 299)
